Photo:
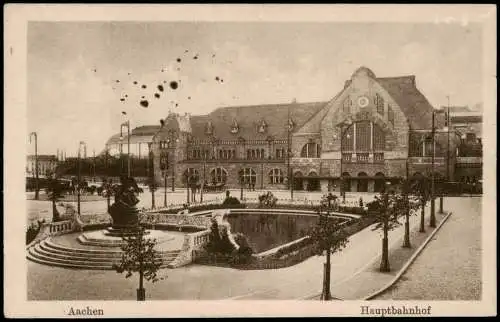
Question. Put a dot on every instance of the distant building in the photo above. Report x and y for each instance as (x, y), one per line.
(46, 165)
(140, 137)
(467, 124)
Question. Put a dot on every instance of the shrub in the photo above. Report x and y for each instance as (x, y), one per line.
(33, 230)
(267, 200)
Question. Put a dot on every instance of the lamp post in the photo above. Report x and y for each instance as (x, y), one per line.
(152, 186)
(406, 191)
(433, 204)
(384, 264)
(79, 173)
(172, 140)
(36, 163)
(164, 172)
(127, 125)
(289, 153)
(202, 187)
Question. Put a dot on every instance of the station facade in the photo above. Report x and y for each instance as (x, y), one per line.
(374, 130)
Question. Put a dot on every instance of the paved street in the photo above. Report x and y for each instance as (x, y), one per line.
(450, 266)
(204, 282)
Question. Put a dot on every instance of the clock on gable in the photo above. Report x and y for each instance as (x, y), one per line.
(363, 101)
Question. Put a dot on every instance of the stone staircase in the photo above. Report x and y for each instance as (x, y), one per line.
(49, 253)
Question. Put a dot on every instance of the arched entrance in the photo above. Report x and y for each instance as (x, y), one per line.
(379, 182)
(298, 181)
(346, 179)
(362, 182)
(313, 182)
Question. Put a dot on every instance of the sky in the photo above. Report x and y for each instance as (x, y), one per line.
(81, 74)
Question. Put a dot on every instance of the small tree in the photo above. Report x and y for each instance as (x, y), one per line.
(140, 256)
(55, 191)
(329, 237)
(421, 189)
(388, 207)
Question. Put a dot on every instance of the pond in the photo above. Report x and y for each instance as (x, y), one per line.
(269, 230)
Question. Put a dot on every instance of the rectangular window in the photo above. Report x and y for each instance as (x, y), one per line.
(390, 115)
(379, 102)
(378, 138)
(363, 136)
(348, 138)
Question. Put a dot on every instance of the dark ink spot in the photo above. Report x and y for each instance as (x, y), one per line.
(144, 103)
(124, 113)
(117, 80)
(143, 86)
(178, 60)
(164, 82)
(195, 57)
(94, 70)
(186, 51)
(221, 80)
(176, 104)
(157, 95)
(162, 122)
(143, 96)
(217, 78)
(122, 99)
(126, 95)
(174, 85)
(160, 88)
(213, 56)
(189, 97)
(129, 73)
(135, 82)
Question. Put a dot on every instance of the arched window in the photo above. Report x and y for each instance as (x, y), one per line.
(379, 103)
(218, 175)
(276, 176)
(310, 150)
(346, 106)
(249, 175)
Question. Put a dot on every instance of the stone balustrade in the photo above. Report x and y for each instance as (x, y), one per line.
(60, 227)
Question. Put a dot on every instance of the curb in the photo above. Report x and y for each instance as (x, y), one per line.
(410, 261)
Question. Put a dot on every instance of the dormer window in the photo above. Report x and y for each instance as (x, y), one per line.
(262, 127)
(234, 127)
(209, 129)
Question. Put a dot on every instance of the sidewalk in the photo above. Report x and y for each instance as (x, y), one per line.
(368, 280)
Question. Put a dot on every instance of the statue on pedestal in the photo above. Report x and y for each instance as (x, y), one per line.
(124, 211)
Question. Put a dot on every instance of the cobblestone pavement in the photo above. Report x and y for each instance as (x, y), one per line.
(449, 268)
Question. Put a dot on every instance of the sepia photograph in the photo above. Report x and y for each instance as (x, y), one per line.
(345, 163)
